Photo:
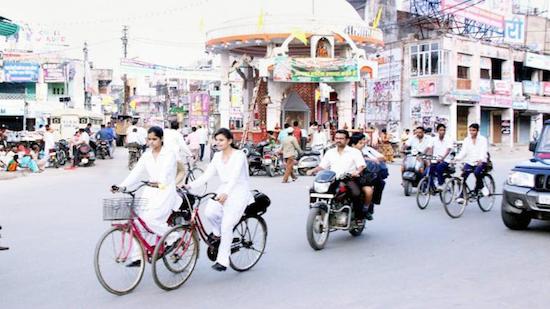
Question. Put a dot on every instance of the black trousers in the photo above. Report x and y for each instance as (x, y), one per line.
(355, 190)
(202, 151)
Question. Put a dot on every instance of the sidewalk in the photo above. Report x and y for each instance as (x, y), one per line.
(12, 175)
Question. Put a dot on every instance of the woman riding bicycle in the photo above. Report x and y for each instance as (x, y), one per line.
(157, 166)
(225, 212)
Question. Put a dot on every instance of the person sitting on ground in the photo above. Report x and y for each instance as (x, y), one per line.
(13, 164)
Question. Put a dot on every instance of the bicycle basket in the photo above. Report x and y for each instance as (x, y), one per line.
(260, 204)
(120, 208)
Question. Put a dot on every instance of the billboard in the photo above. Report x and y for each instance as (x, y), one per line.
(53, 72)
(310, 70)
(20, 72)
(199, 107)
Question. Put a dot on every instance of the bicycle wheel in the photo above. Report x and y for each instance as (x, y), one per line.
(459, 197)
(249, 239)
(113, 253)
(486, 199)
(423, 193)
(450, 191)
(174, 264)
(195, 173)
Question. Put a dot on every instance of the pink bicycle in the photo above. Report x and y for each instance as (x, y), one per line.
(121, 252)
(175, 258)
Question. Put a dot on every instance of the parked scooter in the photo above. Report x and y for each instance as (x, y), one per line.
(310, 159)
(254, 155)
(412, 172)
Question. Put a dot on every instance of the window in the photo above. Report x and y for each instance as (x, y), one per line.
(463, 72)
(545, 76)
(485, 74)
(425, 59)
(58, 90)
(496, 68)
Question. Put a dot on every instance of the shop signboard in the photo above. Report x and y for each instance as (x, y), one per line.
(530, 87)
(199, 108)
(315, 70)
(545, 88)
(537, 61)
(514, 29)
(501, 87)
(495, 101)
(424, 87)
(520, 104)
(505, 127)
(20, 72)
(464, 97)
(53, 72)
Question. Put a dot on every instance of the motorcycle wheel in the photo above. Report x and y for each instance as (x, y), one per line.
(357, 230)
(270, 171)
(407, 187)
(302, 171)
(317, 234)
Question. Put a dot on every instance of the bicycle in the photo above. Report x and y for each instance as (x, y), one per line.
(194, 172)
(180, 258)
(458, 195)
(426, 186)
(118, 243)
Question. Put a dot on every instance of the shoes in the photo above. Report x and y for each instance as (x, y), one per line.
(4, 248)
(219, 267)
(134, 264)
(485, 192)
(294, 179)
(369, 216)
(460, 200)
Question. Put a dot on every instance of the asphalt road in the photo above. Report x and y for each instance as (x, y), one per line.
(408, 258)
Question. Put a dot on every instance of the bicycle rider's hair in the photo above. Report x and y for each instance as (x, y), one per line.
(355, 139)
(227, 134)
(439, 126)
(157, 131)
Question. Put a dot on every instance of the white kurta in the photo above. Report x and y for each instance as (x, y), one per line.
(160, 201)
(49, 142)
(235, 183)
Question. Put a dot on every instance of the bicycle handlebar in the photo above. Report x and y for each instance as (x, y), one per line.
(123, 190)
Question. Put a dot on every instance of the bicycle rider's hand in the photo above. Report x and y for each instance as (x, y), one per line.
(222, 197)
(153, 184)
(115, 189)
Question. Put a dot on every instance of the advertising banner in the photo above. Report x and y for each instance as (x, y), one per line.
(530, 87)
(424, 87)
(537, 61)
(545, 88)
(496, 101)
(502, 87)
(53, 72)
(199, 108)
(20, 72)
(309, 70)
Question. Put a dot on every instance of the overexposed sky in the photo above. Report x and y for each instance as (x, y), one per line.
(161, 31)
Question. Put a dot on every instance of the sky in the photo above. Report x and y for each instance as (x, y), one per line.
(161, 31)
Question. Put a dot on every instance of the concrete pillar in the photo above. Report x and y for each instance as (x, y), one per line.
(474, 114)
(453, 123)
(274, 109)
(360, 118)
(225, 100)
(344, 105)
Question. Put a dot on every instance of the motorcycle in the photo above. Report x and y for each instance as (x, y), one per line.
(87, 155)
(330, 209)
(102, 150)
(254, 156)
(58, 155)
(310, 159)
(134, 153)
(2, 248)
(271, 162)
(412, 172)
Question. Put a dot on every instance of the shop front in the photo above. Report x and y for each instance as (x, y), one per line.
(497, 119)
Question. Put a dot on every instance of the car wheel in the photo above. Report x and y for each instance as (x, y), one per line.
(514, 221)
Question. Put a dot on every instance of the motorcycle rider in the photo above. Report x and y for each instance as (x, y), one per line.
(83, 139)
(442, 146)
(345, 160)
(419, 143)
(106, 135)
(474, 154)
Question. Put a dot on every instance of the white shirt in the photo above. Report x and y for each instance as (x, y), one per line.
(130, 129)
(203, 135)
(420, 145)
(174, 141)
(471, 153)
(349, 161)
(194, 140)
(319, 138)
(441, 147)
(84, 137)
(134, 137)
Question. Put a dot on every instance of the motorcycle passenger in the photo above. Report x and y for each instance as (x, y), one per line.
(442, 146)
(474, 154)
(158, 166)
(345, 160)
(105, 134)
(419, 143)
(83, 139)
(230, 164)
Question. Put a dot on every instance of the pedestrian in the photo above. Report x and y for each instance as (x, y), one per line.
(297, 132)
(203, 139)
(158, 167)
(283, 133)
(194, 143)
(386, 147)
(173, 141)
(3, 135)
(311, 130)
(290, 150)
(223, 213)
(49, 140)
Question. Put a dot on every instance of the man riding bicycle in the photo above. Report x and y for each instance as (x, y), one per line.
(474, 154)
(442, 146)
(345, 160)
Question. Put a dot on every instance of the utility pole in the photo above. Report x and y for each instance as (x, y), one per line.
(86, 93)
(124, 39)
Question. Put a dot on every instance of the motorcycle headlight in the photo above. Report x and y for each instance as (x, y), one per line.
(521, 179)
(321, 187)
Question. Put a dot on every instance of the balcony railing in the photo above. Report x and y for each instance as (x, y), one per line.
(17, 96)
(463, 84)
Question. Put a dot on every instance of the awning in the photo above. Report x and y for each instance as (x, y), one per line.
(294, 103)
(7, 28)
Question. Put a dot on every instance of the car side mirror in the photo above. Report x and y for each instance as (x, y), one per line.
(532, 146)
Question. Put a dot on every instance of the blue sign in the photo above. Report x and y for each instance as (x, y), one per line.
(20, 72)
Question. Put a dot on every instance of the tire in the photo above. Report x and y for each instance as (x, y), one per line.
(302, 171)
(455, 209)
(195, 173)
(516, 222)
(166, 273)
(486, 203)
(358, 230)
(119, 264)
(423, 193)
(407, 187)
(250, 172)
(270, 171)
(249, 240)
(317, 233)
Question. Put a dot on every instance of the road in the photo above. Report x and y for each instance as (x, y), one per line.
(408, 258)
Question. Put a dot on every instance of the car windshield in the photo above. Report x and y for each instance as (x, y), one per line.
(544, 141)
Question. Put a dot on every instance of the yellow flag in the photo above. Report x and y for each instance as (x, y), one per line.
(201, 24)
(377, 19)
(300, 35)
(133, 104)
(261, 20)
